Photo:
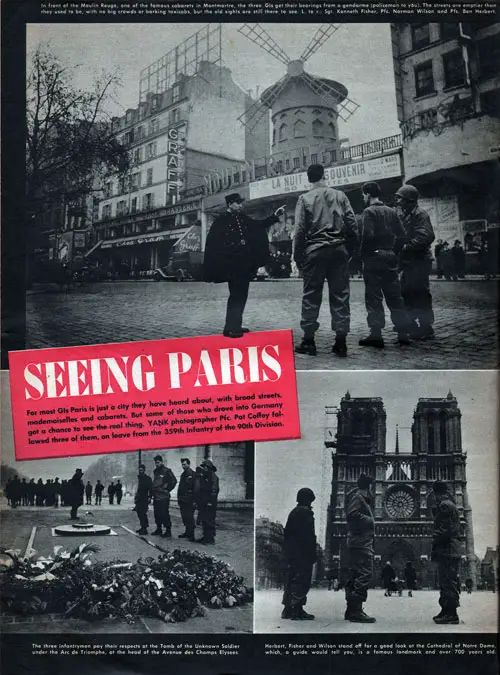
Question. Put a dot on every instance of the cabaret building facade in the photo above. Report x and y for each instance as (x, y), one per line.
(356, 435)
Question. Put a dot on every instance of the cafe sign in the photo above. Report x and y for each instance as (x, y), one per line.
(335, 176)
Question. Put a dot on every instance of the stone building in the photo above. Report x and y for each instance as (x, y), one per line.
(448, 98)
(402, 483)
(489, 569)
(175, 137)
(270, 563)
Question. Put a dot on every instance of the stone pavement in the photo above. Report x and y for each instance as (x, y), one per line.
(466, 320)
(478, 613)
(234, 545)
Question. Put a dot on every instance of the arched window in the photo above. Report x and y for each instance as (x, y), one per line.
(332, 133)
(442, 432)
(317, 127)
(282, 132)
(431, 447)
(274, 135)
(299, 129)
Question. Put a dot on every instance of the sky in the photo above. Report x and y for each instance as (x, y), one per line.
(284, 467)
(357, 55)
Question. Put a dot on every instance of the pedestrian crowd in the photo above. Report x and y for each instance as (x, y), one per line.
(55, 492)
(301, 554)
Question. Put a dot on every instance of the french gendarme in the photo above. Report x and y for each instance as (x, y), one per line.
(335, 176)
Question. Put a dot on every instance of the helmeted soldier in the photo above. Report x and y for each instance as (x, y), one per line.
(206, 496)
(382, 236)
(446, 551)
(416, 263)
(360, 541)
(236, 247)
(185, 499)
(164, 482)
(301, 554)
(75, 493)
(98, 490)
(142, 499)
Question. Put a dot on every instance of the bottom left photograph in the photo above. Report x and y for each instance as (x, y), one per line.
(156, 541)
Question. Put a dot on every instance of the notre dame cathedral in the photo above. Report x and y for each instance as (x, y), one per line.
(402, 483)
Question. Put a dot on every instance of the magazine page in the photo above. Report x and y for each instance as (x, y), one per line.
(249, 337)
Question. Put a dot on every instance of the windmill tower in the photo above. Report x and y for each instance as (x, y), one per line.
(304, 108)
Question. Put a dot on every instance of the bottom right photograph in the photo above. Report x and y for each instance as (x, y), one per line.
(383, 517)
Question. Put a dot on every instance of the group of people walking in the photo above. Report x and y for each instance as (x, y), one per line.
(301, 554)
(395, 249)
(56, 492)
(197, 489)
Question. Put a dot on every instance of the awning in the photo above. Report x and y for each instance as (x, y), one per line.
(94, 248)
(150, 238)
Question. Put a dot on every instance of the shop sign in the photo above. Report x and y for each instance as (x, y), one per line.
(132, 241)
(183, 208)
(79, 240)
(335, 176)
(191, 241)
(176, 149)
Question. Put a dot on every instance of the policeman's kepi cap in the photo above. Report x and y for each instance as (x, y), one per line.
(364, 481)
(439, 487)
(234, 197)
(305, 496)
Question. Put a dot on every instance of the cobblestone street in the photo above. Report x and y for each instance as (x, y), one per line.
(234, 545)
(478, 613)
(466, 320)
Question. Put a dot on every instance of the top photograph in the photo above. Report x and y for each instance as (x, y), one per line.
(339, 180)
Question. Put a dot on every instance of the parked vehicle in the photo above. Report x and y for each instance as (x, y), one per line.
(182, 266)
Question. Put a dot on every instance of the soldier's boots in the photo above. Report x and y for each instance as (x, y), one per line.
(307, 346)
(340, 346)
(448, 615)
(142, 530)
(287, 612)
(300, 614)
(355, 613)
(375, 339)
(403, 339)
(157, 532)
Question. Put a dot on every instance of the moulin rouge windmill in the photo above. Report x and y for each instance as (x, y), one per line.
(304, 107)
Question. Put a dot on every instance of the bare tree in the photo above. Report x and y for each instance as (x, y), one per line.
(69, 141)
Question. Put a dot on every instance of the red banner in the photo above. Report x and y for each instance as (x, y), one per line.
(157, 394)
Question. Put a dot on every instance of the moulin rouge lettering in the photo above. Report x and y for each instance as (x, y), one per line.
(112, 375)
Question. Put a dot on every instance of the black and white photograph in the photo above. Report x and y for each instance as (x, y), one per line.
(383, 518)
(217, 181)
(137, 542)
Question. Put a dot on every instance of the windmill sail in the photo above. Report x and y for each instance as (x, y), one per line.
(325, 31)
(256, 33)
(332, 96)
(251, 117)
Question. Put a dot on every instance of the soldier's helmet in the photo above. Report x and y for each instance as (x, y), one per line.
(408, 192)
(305, 496)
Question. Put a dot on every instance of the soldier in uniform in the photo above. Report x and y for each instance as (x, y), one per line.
(300, 552)
(88, 493)
(185, 499)
(360, 540)
(98, 490)
(235, 248)
(206, 496)
(416, 263)
(446, 551)
(382, 236)
(326, 236)
(143, 498)
(164, 482)
(75, 493)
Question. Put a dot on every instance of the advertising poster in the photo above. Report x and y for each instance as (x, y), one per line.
(249, 379)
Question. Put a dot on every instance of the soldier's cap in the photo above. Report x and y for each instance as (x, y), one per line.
(408, 192)
(79, 471)
(305, 496)
(209, 464)
(364, 481)
(158, 458)
(439, 487)
(234, 197)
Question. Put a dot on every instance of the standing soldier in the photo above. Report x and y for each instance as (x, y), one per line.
(88, 493)
(164, 482)
(207, 491)
(446, 551)
(119, 492)
(236, 247)
(99, 489)
(57, 492)
(185, 499)
(360, 540)
(301, 554)
(143, 498)
(326, 236)
(75, 493)
(382, 235)
(111, 493)
(416, 263)
(411, 578)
